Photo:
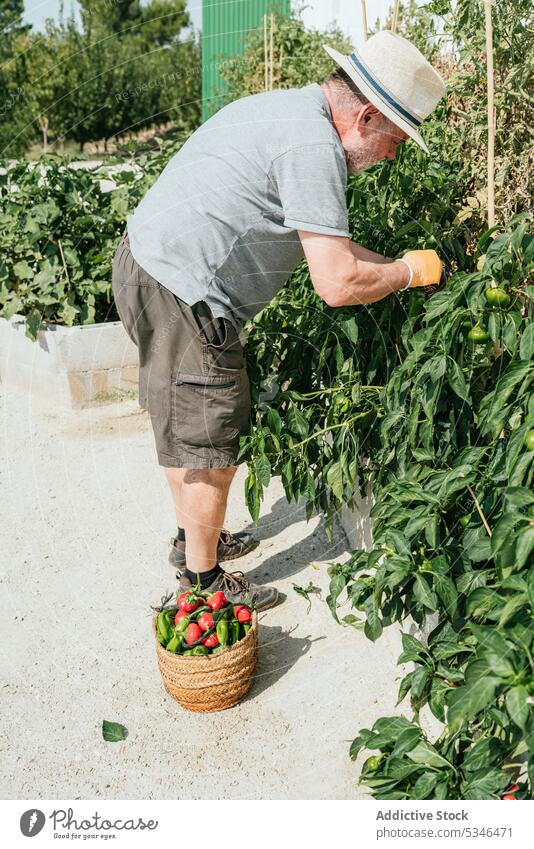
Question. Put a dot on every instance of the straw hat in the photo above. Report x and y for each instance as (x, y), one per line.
(397, 79)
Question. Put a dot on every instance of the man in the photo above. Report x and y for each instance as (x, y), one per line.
(253, 191)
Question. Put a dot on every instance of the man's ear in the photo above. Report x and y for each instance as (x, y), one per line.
(365, 117)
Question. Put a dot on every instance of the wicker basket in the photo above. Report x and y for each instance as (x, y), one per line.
(214, 682)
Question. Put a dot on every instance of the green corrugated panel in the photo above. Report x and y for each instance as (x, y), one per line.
(225, 24)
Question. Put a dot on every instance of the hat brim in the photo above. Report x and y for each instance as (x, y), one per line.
(374, 97)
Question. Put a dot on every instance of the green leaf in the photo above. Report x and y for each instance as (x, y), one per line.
(517, 707)
(526, 345)
(424, 593)
(447, 594)
(424, 785)
(262, 467)
(512, 606)
(113, 732)
(373, 626)
(404, 687)
(523, 546)
(350, 328)
(273, 421)
(504, 531)
(492, 404)
(406, 741)
(519, 496)
(419, 682)
(483, 754)
(355, 747)
(485, 786)
(467, 701)
(413, 649)
(252, 497)
(477, 544)
(296, 422)
(334, 478)
(426, 754)
(457, 380)
(23, 270)
(305, 592)
(337, 585)
(33, 324)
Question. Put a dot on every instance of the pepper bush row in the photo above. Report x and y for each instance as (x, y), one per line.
(443, 423)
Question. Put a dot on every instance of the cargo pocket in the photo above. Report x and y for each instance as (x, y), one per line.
(227, 353)
(209, 411)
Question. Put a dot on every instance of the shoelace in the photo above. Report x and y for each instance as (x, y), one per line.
(235, 582)
(226, 536)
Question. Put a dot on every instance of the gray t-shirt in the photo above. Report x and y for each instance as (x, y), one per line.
(220, 223)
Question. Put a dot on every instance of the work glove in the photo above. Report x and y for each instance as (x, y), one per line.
(426, 268)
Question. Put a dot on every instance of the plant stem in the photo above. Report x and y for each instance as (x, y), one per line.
(63, 258)
(334, 389)
(327, 429)
(479, 508)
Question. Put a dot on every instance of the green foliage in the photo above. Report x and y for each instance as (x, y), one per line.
(299, 58)
(395, 394)
(58, 235)
(124, 69)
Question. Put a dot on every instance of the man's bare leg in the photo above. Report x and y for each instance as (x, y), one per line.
(200, 497)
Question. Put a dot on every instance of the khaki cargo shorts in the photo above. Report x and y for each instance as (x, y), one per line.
(192, 375)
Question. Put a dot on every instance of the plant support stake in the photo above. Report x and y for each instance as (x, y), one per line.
(491, 115)
(364, 16)
(265, 52)
(271, 63)
(395, 17)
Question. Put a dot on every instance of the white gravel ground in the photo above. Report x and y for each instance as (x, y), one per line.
(87, 518)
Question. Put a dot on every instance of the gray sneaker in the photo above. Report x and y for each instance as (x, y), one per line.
(239, 590)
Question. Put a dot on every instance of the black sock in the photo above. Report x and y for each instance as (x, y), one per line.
(206, 578)
(181, 534)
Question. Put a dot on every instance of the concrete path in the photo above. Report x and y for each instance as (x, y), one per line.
(86, 518)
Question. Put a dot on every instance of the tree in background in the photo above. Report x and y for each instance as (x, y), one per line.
(15, 132)
(123, 70)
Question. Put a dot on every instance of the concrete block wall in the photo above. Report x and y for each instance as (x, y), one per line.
(69, 367)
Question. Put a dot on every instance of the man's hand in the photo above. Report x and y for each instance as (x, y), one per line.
(425, 268)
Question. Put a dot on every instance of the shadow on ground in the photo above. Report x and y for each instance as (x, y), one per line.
(314, 546)
(278, 651)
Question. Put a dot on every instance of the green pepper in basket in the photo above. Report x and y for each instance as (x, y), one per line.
(246, 627)
(234, 631)
(187, 653)
(222, 632)
(163, 629)
(219, 649)
(175, 643)
(199, 650)
(181, 621)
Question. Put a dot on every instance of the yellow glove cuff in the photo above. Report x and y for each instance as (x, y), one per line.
(425, 267)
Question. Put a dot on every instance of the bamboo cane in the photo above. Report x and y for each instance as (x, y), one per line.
(364, 16)
(491, 114)
(265, 52)
(272, 52)
(395, 17)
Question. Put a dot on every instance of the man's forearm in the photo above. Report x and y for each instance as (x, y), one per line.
(375, 277)
(359, 252)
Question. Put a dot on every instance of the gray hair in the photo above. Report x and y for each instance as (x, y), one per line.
(345, 91)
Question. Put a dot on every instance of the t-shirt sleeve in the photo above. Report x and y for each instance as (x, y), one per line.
(311, 182)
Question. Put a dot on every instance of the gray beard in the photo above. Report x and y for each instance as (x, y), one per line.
(359, 162)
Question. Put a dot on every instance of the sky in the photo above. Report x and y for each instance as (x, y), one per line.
(37, 10)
